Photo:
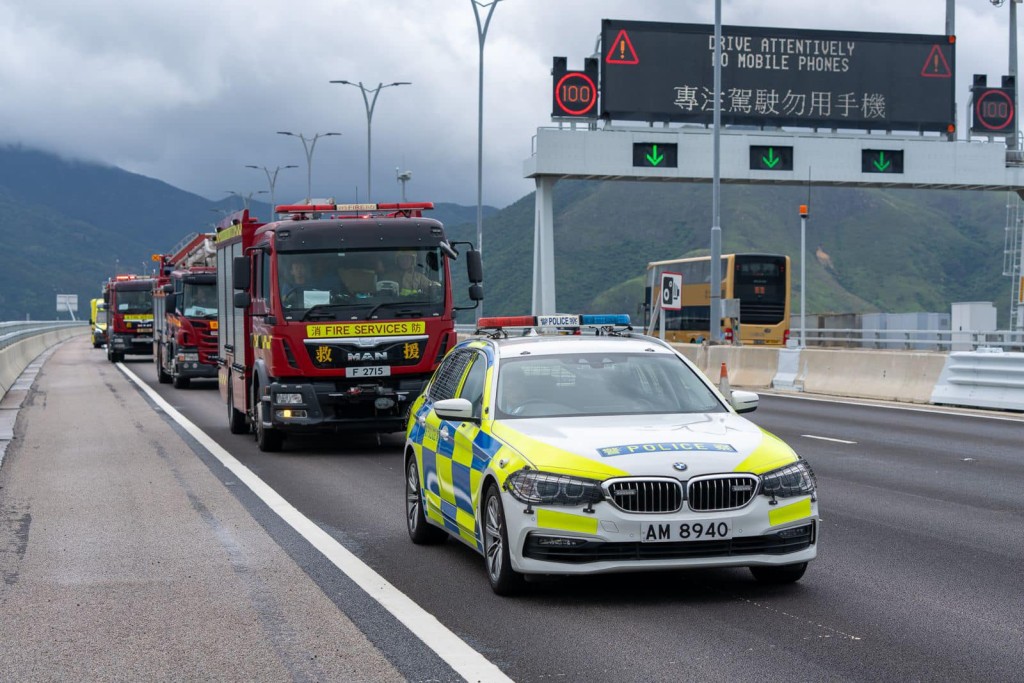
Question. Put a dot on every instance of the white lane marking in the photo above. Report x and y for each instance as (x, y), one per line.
(466, 661)
(825, 438)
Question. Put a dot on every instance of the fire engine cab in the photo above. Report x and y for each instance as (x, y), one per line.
(334, 316)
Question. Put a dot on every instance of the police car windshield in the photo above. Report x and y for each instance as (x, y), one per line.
(582, 384)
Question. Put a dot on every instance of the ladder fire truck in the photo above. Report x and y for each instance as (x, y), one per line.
(185, 312)
(129, 300)
(333, 317)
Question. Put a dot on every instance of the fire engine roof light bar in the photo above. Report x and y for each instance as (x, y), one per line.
(357, 208)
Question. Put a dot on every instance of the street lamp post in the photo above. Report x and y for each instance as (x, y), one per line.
(246, 198)
(308, 144)
(481, 33)
(370, 104)
(272, 181)
(715, 331)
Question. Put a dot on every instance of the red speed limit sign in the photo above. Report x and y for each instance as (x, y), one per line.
(575, 92)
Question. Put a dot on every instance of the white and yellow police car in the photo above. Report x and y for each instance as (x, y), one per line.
(599, 450)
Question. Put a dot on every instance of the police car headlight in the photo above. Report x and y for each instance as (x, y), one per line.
(792, 480)
(287, 399)
(544, 488)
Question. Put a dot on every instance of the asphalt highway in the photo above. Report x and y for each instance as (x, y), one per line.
(919, 574)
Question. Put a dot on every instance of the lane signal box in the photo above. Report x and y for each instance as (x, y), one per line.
(881, 161)
(655, 155)
(771, 158)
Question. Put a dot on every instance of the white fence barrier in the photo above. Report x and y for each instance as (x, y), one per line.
(986, 378)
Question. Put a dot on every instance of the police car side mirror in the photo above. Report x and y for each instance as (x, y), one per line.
(455, 409)
(744, 401)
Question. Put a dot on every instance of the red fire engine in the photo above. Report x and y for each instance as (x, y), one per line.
(129, 300)
(185, 312)
(334, 317)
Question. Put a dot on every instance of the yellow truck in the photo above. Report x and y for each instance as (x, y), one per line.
(98, 322)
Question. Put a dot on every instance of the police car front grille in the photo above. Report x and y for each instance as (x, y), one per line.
(653, 496)
(794, 541)
(711, 494)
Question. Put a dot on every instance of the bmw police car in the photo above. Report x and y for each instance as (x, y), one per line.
(601, 451)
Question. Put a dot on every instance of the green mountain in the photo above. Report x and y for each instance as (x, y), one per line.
(69, 225)
(867, 249)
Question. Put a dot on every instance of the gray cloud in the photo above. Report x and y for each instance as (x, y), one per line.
(190, 92)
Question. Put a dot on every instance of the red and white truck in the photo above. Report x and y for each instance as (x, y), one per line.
(333, 317)
(185, 312)
(129, 300)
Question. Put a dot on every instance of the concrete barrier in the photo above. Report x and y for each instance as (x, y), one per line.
(748, 366)
(16, 357)
(889, 376)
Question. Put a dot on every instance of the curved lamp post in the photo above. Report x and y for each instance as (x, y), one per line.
(308, 144)
(370, 104)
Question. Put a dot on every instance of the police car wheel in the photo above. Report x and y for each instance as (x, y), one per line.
(420, 531)
(786, 573)
(504, 580)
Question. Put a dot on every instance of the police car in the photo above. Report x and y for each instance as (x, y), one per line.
(574, 445)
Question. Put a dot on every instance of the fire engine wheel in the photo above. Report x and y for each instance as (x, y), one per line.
(114, 356)
(236, 418)
(161, 374)
(181, 382)
(268, 439)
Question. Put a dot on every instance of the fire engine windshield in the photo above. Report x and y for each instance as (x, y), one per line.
(361, 284)
(134, 301)
(199, 300)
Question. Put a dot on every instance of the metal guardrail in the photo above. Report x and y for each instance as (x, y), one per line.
(913, 340)
(893, 340)
(11, 332)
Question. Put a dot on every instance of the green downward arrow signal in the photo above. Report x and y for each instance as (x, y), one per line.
(882, 164)
(654, 158)
(771, 161)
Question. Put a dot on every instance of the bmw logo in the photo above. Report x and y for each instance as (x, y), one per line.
(679, 467)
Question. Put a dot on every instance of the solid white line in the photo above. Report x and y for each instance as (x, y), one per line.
(466, 661)
(825, 438)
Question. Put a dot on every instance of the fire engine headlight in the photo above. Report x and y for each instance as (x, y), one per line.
(287, 399)
(185, 357)
(546, 488)
(792, 480)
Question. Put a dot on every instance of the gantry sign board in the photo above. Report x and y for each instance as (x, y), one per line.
(778, 77)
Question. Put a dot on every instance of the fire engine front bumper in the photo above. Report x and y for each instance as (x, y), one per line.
(135, 345)
(343, 406)
(187, 364)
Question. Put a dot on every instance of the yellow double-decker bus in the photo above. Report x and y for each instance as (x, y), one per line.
(761, 282)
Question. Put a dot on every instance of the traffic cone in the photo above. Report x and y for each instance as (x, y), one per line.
(723, 382)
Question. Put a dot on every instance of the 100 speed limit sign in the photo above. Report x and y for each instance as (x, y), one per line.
(671, 291)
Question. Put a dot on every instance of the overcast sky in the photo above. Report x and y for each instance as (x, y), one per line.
(191, 91)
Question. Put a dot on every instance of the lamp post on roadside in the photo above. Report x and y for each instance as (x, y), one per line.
(272, 181)
(803, 276)
(370, 104)
(308, 144)
(246, 198)
(715, 331)
(481, 30)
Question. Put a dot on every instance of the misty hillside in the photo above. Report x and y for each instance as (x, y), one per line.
(69, 225)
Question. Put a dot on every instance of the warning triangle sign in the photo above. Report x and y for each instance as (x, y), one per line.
(621, 51)
(936, 65)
